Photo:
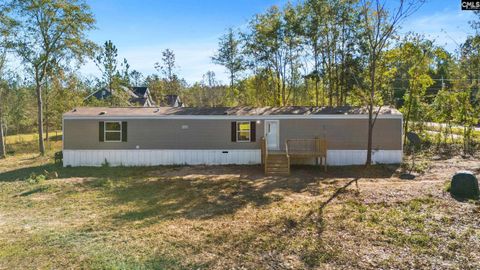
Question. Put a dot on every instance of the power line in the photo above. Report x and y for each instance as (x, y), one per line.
(458, 79)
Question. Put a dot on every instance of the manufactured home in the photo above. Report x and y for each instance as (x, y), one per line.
(137, 136)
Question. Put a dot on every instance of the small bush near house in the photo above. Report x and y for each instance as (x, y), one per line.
(35, 179)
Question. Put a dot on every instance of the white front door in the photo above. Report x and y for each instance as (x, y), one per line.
(272, 134)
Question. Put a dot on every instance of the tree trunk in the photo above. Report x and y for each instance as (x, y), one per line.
(2, 137)
(315, 52)
(370, 136)
(325, 83)
(330, 87)
(342, 63)
(41, 145)
(279, 89)
(46, 112)
(292, 80)
(370, 111)
(46, 124)
(112, 99)
(232, 82)
(337, 86)
(407, 120)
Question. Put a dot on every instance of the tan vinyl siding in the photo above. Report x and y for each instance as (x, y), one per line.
(341, 134)
(159, 134)
(345, 134)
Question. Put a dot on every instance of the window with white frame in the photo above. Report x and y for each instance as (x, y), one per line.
(113, 131)
(243, 131)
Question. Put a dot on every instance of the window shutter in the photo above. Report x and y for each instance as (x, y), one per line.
(101, 133)
(253, 133)
(124, 131)
(234, 131)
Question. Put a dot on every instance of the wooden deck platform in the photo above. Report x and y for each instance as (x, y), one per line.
(278, 161)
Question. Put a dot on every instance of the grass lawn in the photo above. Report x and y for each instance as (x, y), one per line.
(27, 143)
(31, 137)
(233, 217)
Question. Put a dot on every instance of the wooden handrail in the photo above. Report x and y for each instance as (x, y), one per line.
(288, 157)
(264, 153)
(317, 145)
(316, 148)
(304, 148)
(264, 147)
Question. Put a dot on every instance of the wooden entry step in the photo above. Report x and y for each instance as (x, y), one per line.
(277, 164)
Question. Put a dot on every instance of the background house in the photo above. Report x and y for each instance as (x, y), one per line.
(171, 101)
(138, 96)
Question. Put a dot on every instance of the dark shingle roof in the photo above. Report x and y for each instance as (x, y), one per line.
(233, 111)
(102, 94)
(139, 91)
(137, 95)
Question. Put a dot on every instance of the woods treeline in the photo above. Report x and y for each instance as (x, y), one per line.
(306, 53)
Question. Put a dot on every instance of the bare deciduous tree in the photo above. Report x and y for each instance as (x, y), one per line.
(378, 27)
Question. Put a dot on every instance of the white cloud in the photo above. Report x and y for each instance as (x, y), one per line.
(448, 28)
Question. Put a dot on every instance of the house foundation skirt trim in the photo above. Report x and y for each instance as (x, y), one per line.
(76, 158)
(159, 157)
(359, 157)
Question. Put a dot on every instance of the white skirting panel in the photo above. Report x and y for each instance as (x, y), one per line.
(358, 157)
(355, 157)
(76, 158)
(213, 157)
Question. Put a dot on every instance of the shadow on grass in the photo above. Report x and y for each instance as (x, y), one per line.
(196, 192)
(142, 196)
(116, 260)
(191, 192)
(25, 172)
(203, 195)
(357, 171)
(471, 199)
(272, 238)
(33, 191)
(199, 197)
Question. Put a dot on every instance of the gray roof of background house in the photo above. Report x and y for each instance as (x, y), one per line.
(138, 95)
(233, 111)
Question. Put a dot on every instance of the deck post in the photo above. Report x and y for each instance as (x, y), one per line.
(262, 151)
(288, 157)
(264, 154)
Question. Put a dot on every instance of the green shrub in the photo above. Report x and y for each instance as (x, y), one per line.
(106, 164)
(448, 186)
(35, 179)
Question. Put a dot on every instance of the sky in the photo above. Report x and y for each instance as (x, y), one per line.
(142, 29)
